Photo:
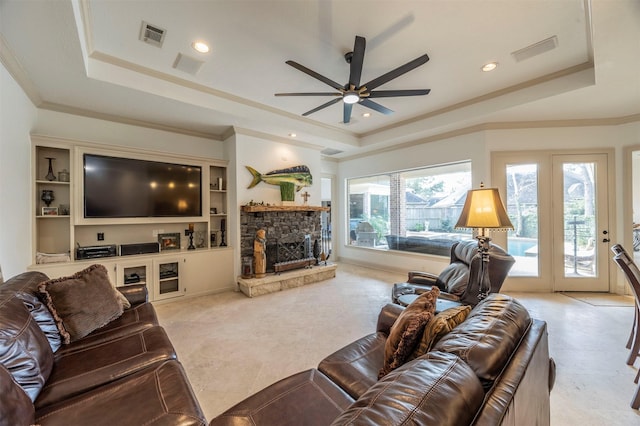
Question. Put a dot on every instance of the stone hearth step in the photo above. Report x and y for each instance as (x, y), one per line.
(253, 287)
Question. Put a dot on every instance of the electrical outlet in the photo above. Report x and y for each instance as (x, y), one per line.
(100, 236)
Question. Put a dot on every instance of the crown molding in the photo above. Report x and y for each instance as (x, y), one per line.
(507, 125)
(17, 71)
(124, 120)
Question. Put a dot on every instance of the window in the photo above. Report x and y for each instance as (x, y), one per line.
(413, 210)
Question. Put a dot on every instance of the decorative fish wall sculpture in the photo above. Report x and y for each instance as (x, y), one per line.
(300, 176)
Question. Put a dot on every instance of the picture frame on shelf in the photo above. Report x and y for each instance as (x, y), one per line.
(169, 241)
(49, 211)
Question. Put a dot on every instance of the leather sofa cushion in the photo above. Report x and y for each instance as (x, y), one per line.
(84, 369)
(24, 349)
(131, 321)
(27, 282)
(160, 395)
(81, 302)
(15, 406)
(436, 389)
(355, 367)
(43, 317)
(487, 338)
(306, 398)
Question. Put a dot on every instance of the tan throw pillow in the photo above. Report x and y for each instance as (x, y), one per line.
(407, 329)
(440, 325)
(82, 302)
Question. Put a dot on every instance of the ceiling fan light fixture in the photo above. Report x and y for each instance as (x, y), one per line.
(490, 66)
(351, 97)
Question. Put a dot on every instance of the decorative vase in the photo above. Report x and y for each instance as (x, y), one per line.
(47, 196)
(50, 176)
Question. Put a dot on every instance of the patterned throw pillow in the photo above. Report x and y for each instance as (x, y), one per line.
(439, 326)
(407, 329)
(82, 302)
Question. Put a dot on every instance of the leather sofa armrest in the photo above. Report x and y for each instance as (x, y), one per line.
(388, 316)
(425, 278)
(135, 294)
(448, 296)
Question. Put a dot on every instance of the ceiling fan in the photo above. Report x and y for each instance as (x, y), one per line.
(353, 92)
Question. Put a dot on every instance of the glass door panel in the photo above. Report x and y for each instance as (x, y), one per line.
(579, 219)
(522, 207)
(580, 223)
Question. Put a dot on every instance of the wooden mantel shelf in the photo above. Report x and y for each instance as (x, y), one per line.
(255, 209)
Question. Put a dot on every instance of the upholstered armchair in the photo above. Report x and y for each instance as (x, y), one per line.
(459, 281)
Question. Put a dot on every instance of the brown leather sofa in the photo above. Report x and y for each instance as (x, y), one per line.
(125, 373)
(492, 369)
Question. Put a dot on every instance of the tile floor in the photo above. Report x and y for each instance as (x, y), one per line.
(233, 346)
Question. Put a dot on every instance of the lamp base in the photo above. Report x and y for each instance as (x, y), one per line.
(484, 284)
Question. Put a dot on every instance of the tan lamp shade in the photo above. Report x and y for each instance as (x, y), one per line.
(484, 209)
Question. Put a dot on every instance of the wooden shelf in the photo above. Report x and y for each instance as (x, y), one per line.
(256, 209)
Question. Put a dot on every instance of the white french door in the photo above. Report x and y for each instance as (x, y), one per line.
(559, 206)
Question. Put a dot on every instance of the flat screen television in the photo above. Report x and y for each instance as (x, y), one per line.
(117, 187)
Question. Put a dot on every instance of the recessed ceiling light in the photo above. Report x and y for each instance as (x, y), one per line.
(293, 135)
(200, 46)
(366, 114)
(489, 66)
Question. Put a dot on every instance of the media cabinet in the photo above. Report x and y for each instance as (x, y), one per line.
(173, 272)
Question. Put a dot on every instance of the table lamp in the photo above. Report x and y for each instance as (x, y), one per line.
(483, 210)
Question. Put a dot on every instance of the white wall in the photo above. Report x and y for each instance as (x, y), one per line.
(265, 156)
(17, 115)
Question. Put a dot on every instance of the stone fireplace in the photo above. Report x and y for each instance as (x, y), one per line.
(291, 232)
(289, 229)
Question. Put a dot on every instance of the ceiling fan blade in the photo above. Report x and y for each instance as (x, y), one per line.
(396, 72)
(346, 114)
(394, 93)
(357, 59)
(310, 94)
(331, 102)
(375, 106)
(315, 75)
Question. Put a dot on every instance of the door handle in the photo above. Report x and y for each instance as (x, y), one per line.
(605, 240)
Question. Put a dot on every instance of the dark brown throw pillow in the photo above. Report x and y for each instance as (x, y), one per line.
(82, 302)
(407, 329)
(440, 325)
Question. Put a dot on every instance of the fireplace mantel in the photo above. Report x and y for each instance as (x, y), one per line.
(256, 209)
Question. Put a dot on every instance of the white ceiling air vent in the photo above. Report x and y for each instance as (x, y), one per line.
(187, 64)
(331, 151)
(535, 49)
(152, 34)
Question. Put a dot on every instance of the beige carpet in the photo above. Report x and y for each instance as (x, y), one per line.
(601, 299)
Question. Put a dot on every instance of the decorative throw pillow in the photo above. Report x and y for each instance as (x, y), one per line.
(407, 329)
(43, 317)
(82, 302)
(440, 325)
